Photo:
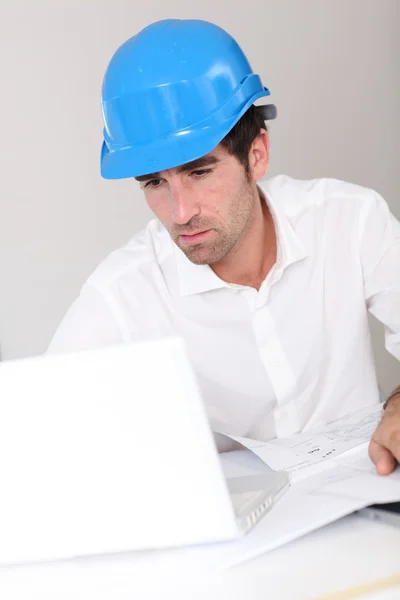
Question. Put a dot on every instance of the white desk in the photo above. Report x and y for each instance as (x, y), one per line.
(349, 552)
(346, 553)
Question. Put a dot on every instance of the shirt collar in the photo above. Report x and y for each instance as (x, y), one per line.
(290, 247)
(196, 279)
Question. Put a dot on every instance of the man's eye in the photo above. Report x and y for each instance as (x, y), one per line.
(201, 172)
(153, 183)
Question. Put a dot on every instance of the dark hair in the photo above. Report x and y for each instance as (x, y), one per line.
(240, 138)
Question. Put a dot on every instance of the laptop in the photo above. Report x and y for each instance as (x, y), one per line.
(110, 450)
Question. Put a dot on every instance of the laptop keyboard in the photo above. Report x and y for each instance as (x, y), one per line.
(244, 499)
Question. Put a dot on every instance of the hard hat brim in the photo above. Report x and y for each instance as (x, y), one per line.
(172, 151)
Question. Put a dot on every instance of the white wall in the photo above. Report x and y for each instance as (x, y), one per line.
(332, 65)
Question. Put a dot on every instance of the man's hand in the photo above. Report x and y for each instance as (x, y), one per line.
(384, 448)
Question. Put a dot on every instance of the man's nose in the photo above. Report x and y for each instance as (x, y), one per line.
(184, 205)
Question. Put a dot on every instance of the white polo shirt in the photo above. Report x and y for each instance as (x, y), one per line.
(273, 362)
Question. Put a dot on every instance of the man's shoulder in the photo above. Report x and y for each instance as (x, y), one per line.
(297, 194)
(145, 250)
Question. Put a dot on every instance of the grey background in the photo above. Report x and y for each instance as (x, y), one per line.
(333, 69)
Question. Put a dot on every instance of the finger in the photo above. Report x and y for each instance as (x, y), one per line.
(393, 442)
(382, 458)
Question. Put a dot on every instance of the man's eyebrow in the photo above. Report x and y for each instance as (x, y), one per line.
(147, 177)
(204, 161)
(199, 163)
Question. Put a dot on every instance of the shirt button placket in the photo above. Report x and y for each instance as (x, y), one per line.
(278, 370)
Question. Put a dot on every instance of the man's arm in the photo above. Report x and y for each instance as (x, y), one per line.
(93, 321)
(396, 392)
(380, 255)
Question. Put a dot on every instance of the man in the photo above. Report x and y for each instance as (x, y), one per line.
(268, 284)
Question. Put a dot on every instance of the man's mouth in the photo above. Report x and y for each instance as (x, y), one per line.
(194, 238)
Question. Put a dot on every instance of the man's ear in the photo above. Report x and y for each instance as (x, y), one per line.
(259, 155)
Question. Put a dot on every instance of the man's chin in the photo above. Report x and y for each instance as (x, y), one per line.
(200, 255)
(197, 260)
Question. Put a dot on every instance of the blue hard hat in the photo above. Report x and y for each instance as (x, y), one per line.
(170, 94)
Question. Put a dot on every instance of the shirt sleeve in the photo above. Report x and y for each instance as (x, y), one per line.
(380, 255)
(91, 322)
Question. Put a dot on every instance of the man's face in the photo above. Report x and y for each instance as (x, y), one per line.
(205, 205)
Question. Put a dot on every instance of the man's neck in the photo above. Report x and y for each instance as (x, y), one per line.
(254, 255)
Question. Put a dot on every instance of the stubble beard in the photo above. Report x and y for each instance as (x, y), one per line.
(224, 238)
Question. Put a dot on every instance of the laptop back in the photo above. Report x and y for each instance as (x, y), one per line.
(107, 450)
